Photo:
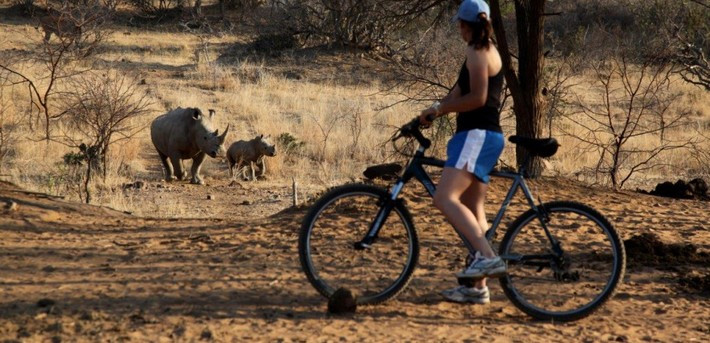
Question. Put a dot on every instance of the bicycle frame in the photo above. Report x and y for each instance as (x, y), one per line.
(415, 169)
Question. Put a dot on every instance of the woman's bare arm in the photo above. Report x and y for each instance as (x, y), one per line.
(477, 64)
(453, 94)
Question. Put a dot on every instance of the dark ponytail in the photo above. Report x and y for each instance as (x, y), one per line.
(481, 32)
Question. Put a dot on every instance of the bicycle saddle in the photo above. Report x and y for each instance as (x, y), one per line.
(543, 147)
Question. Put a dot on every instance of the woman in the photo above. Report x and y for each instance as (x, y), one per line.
(474, 150)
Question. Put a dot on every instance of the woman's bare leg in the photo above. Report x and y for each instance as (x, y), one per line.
(474, 198)
(453, 185)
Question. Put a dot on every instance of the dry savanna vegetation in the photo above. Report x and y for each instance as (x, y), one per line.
(624, 90)
(329, 113)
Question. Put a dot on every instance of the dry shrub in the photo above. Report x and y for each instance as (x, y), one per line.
(363, 24)
(10, 122)
(104, 109)
(629, 120)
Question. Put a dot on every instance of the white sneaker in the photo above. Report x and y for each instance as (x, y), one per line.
(471, 295)
(482, 267)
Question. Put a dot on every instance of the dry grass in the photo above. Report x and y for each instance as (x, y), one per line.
(672, 164)
(340, 125)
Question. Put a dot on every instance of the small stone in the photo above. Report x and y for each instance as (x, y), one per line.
(56, 327)
(246, 202)
(86, 316)
(210, 197)
(179, 331)
(56, 339)
(137, 319)
(45, 302)
(22, 332)
(206, 335)
(49, 269)
(342, 301)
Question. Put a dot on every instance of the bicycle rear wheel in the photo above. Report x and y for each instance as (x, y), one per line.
(569, 284)
(342, 218)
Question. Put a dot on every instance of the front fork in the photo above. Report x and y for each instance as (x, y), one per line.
(386, 205)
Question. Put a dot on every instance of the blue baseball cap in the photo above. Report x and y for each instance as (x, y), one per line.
(470, 9)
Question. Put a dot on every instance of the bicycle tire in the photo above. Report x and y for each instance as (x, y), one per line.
(378, 194)
(617, 272)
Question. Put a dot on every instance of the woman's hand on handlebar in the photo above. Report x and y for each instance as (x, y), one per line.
(427, 117)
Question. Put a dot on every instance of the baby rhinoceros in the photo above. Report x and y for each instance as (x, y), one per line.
(186, 133)
(244, 154)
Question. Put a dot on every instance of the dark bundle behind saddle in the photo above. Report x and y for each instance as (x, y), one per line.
(387, 171)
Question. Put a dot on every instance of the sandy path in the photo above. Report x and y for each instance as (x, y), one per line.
(115, 277)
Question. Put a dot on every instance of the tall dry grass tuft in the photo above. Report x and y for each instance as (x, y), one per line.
(334, 131)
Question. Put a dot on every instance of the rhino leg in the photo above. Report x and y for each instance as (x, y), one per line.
(168, 168)
(196, 165)
(184, 170)
(231, 164)
(262, 166)
(243, 168)
(178, 169)
(253, 171)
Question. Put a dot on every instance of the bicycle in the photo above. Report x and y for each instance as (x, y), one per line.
(562, 266)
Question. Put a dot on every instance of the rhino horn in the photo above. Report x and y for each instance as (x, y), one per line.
(223, 137)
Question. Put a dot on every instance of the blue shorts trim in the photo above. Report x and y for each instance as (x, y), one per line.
(475, 151)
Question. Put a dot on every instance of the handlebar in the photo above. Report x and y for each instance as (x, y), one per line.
(411, 129)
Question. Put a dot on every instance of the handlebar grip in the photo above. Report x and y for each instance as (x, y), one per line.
(426, 143)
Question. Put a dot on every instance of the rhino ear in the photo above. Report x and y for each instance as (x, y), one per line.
(196, 113)
(212, 112)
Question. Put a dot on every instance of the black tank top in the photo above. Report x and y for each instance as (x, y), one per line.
(486, 117)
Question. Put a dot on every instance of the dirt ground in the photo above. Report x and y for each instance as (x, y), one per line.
(71, 272)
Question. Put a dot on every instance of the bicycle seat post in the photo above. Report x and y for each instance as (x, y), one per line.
(521, 168)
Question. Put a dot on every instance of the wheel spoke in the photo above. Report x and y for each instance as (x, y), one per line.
(343, 218)
(578, 281)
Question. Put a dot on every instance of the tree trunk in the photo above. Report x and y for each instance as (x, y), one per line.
(87, 180)
(198, 7)
(47, 135)
(525, 85)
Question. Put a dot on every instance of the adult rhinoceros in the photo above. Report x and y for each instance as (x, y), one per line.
(186, 133)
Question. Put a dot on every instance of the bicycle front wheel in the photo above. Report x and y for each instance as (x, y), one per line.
(336, 223)
(568, 281)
